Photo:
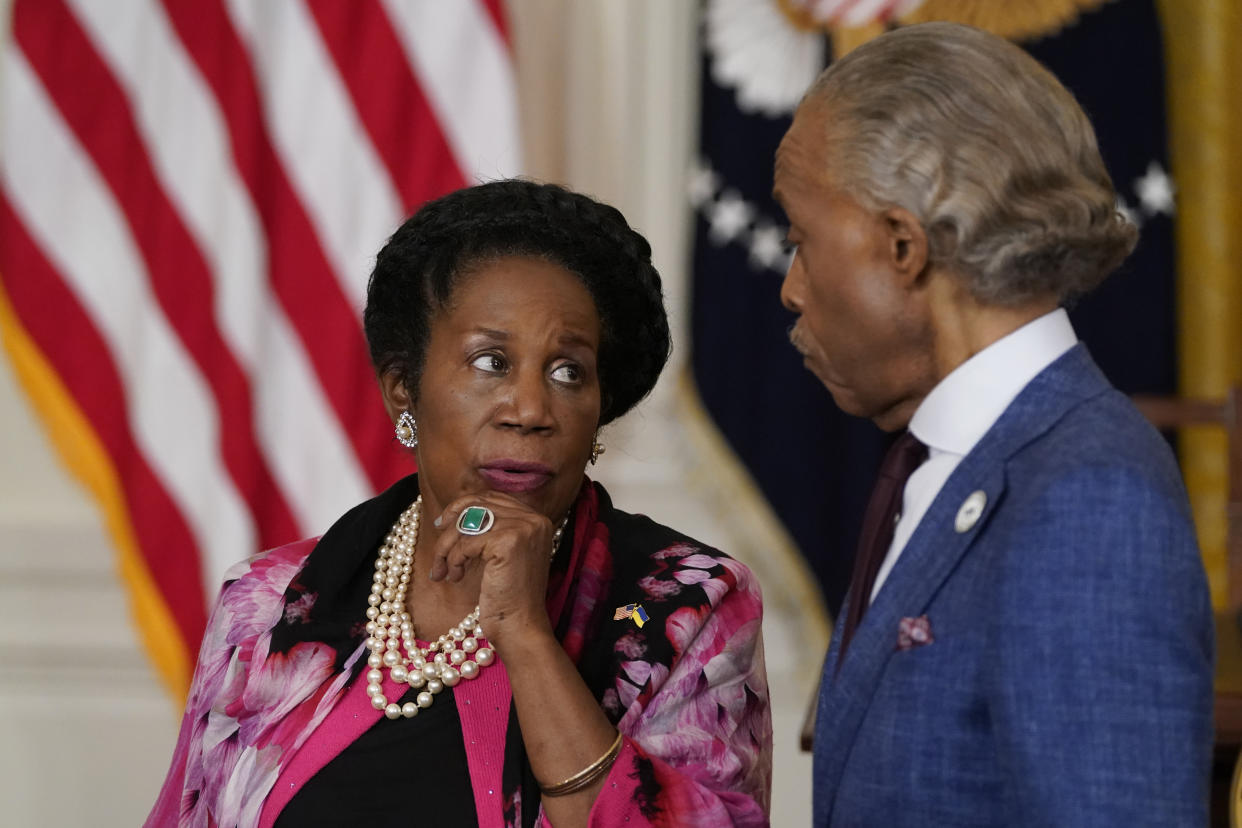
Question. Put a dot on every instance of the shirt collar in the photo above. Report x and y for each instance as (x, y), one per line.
(969, 401)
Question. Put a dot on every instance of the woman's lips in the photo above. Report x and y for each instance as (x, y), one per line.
(515, 477)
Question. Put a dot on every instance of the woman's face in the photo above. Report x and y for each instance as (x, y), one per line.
(509, 398)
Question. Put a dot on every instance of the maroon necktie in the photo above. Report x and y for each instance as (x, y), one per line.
(905, 455)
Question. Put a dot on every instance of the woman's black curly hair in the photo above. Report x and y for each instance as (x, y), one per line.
(417, 270)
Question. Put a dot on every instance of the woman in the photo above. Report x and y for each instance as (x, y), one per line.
(489, 642)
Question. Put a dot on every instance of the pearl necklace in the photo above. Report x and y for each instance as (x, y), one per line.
(454, 656)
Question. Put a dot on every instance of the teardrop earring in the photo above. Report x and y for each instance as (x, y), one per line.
(407, 430)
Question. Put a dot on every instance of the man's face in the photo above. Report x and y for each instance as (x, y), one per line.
(861, 329)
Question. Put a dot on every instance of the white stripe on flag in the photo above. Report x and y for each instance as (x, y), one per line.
(84, 236)
(184, 134)
(466, 73)
(314, 126)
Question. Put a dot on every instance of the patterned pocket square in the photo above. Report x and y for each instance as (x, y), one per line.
(914, 632)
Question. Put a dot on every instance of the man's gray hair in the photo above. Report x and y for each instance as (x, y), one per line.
(988, 149)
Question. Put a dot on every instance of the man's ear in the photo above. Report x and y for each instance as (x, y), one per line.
(396, 395)
(907, 244)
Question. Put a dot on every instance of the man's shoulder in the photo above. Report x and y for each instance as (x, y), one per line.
(1098, 494)
(1092, 484)
(1070, 418)
(1103, 437)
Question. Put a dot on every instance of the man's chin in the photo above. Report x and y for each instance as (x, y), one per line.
(847, 402)
(845, 399)
(840, 393)
(820, 374)
(886, 417)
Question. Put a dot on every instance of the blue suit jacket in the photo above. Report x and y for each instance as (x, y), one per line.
(1070, 677)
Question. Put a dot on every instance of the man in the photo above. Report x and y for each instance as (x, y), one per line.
(1027, 639)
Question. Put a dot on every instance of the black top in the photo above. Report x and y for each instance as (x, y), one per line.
(399, 772)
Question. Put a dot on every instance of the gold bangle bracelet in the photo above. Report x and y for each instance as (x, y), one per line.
(587, 775)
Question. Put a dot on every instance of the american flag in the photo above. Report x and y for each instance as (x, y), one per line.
(192, 193)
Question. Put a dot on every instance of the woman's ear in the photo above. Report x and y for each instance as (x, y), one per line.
(396, 395)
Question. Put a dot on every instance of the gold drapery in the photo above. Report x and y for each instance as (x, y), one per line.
(1203, 77)
(1017, 21)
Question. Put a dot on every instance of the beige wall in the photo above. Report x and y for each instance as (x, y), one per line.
(608, 103)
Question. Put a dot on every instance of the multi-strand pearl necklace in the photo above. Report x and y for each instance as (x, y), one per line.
(454, 656)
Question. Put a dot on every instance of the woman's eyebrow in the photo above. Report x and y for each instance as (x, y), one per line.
(571, 338)
(491, 333)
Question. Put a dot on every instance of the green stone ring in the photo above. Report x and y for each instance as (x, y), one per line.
(475, 520)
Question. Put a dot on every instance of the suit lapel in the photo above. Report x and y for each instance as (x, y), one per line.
(927, 560)
(930, 556)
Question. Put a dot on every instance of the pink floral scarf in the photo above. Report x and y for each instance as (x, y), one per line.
(686, 688)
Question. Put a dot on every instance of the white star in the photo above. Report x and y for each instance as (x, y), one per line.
(702, 185)
(729, 217)
(1155, 190)
(767, 248)
(1128, 214)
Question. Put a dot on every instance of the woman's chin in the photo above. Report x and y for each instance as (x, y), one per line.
(517, 483)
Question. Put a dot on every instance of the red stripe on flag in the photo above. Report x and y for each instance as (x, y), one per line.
(69, 340)
(388, 99)
(496, 10)
(299, 271)
(94, 105)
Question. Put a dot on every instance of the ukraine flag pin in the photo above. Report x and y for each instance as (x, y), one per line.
(634, 611)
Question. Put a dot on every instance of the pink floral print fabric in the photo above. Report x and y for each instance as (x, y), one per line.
(687, 689)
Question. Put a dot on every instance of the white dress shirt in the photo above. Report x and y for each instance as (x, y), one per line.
(953, 418)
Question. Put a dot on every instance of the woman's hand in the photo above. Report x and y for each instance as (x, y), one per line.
(515, 555)
(563, 728)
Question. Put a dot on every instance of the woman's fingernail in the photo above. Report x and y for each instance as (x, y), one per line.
(436, 522)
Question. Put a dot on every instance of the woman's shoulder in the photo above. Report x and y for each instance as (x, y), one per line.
(674, 605)
(271, 565)
(252, 596)
(664, 565)
(638, 531)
